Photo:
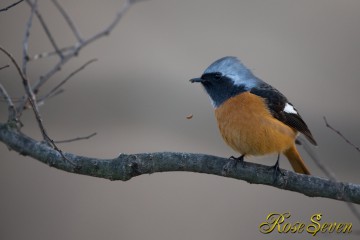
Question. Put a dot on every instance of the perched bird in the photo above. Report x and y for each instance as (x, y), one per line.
(254, 118)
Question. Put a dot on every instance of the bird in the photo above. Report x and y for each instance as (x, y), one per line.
(253, 117)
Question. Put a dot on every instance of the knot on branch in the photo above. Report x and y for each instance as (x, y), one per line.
(131, 165)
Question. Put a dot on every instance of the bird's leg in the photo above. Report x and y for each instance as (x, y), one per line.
(276, 168)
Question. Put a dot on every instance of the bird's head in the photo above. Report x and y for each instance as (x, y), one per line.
(225, 78)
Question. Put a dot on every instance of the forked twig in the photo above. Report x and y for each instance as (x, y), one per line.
(74, 51)
(56, 89)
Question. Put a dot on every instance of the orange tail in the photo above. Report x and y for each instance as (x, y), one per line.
(296, 161)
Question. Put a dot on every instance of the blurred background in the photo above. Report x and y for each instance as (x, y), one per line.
(137, 96)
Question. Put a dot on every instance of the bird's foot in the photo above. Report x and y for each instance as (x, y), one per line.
(238, 160)
(233, 163)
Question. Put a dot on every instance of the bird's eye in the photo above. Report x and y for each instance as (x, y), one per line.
(218, 75)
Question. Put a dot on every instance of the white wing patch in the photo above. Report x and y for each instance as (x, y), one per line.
(290, 109)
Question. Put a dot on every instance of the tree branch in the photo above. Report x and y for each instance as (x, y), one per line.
(126, 166)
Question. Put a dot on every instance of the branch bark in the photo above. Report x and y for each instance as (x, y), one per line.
(126, 166)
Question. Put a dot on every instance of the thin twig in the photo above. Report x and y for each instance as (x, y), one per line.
(68, 20)
(341, 135)
(76, 139)
(56, 88)
(332, 175)
(32, 100)
(11, 108)
(10, 6)
(25, 59)
(3, 67)
(329, 174)
(41, 100)
(38, 56)
(46, 29)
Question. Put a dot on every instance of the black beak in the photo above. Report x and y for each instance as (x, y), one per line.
(193, 80)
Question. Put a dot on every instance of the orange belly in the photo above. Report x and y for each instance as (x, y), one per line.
(248, 127)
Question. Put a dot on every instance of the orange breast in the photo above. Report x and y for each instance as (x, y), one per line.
(248, 127)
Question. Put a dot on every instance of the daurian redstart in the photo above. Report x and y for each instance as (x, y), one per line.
(254, 118)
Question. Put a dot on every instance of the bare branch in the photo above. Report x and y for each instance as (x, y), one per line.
(11, 108)
(10, 6)
(127, 166)
(341, 135)
(74, 52)
(77, 139)
(46, 29)
(68, 20)
(56, 88)
(32, 100)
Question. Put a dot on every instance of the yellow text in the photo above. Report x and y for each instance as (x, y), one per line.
(279, 222)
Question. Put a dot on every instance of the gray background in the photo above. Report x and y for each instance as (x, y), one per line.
(137, 97)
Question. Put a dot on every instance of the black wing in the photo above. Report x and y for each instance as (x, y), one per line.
(282, 110)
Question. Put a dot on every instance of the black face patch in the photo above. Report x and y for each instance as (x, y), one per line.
(220, 88)
(211, 76)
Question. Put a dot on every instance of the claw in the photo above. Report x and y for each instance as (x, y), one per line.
(232, 164)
